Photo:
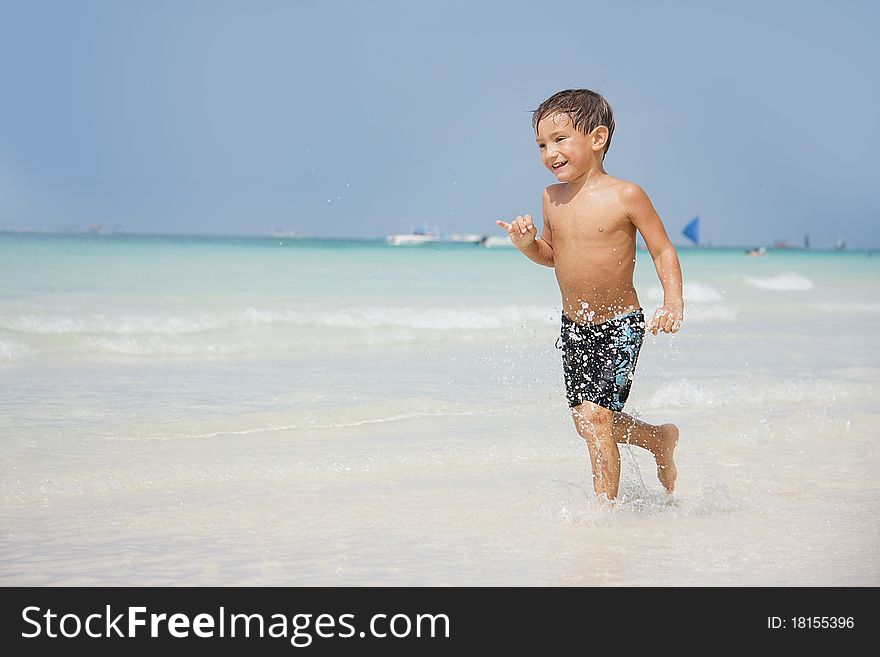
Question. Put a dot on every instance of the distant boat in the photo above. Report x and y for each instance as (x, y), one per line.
(493, 241)
(692, 230)
(410, 239)
(466, 238)
(283, 233)
(417, 237)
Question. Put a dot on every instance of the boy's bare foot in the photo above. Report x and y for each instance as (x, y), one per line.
(666, 471)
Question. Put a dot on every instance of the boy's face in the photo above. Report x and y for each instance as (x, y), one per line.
(567, 152)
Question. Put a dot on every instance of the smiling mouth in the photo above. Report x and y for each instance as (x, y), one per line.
(559, 165)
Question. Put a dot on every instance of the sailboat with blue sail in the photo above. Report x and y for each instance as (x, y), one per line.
(692, 230)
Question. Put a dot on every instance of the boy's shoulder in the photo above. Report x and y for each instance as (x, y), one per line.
(625, 190)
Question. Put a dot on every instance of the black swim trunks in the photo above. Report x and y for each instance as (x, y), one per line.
(598, 360)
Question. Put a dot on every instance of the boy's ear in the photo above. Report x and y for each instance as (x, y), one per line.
(600, 137)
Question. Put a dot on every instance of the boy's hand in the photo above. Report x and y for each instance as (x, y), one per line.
(522, 231)
(667, 319)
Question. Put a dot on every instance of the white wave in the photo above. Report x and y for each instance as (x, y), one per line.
(783, 282)
(684, 393)
(692, 292)
(846, 307)
(793, 391)
(157, 346)
(12, 351)
(699, 303)
(114, 324)
(715, 497)
(442, 319)
(430, 318)
(713, 313)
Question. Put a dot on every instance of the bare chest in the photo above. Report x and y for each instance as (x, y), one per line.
(602, 221)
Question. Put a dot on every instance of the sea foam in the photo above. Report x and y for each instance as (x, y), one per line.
(360, 317)
(13, 351)
(700, 302)
(693, 292)
(844, 308)
(782, 283)
(684, 393)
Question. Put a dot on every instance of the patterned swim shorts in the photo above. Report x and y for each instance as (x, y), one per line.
(598, 360)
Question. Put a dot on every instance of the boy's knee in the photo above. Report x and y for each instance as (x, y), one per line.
(591, 418)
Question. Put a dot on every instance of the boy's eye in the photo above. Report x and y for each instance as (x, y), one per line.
(540, 145)
(560, 138)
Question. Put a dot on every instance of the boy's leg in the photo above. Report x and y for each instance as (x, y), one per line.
(594, 424)
(660, 440)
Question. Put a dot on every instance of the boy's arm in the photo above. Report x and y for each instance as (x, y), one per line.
(524, 236)
(644, 217)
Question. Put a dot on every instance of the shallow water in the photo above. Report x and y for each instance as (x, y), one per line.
(244, 411)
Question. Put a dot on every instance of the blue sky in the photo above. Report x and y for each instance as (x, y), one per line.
(365, 118)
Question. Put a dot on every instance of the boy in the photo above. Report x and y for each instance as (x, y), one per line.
(589, 238)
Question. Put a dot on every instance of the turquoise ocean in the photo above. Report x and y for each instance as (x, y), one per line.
(229, 411)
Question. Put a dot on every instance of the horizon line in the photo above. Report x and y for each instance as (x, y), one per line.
(296, 236)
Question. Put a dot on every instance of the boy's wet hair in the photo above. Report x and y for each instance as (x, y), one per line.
(586, 109)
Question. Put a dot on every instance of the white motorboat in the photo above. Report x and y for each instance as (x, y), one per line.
(466, 238)
(411, 239)
(493, 241)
